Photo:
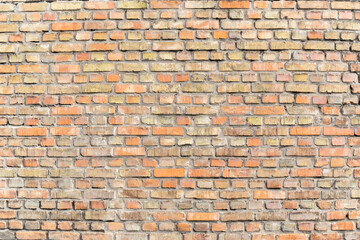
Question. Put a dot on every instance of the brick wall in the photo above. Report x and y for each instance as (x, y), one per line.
(179, 120)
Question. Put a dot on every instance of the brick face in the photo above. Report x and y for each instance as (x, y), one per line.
(179, 119)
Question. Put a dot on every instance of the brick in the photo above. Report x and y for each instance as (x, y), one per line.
(310, 194)
(66, 6)
(241, 25)
(305, 216)
(132, 4)
(170, 119)
(343, 226)
(306, 172)
(313, 5)
(271, 216)
(198, 87)
(101, 47)
(259, 45)
(203, 173)
(302, 88)
(313, 25)
(102, 236)
(229, 67)
(300, 152)
(140, 46)
(331, 131)
(345, 5)
(136, 67)
(33, 7)
(139, 25)
(285, 45)
(65, 68)
(67, 235)
(67, 48)
(303, 67)
(96, 88)
(169, 173)
(161, 4)
(31, 131)
(167, 46)
(8, 28)
(307, 131)
(334, 152)
(70, 26)
(7, 69)
(333, 88)
(164, 236)
(238, 173)
(270, 24)
(127, 151)
(108, 25)
(166, 194)
(275, 110)
(7, 193)
(201, 24)
(243, 216)
(201, 45)
(99, 5)
(200, 4)
(66, 111)
(129, 88)
(30, 235)
(330, 236)
(292, 236)
(8, 48)
(234, 88)
(165, 67)
(199, 66)
(264, 194)
(234, 4)
(133, 131)
(199, 216)
(315, 45)
(177, 131)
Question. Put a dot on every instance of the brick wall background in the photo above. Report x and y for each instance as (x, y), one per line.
(179, 120)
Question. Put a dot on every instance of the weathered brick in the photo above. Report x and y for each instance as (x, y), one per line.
(170, 119)
(259, 45)
(70, 26)
(202, 216)
(234, 4)
(132, 4)
(301, 66)
(66, 6)
(316, 45)
(270, 24)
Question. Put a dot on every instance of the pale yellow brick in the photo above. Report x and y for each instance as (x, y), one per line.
(202, 45)
(288, 45)
(270, 24)
(134, 46)
(66, 6)
(301, 66)
(132, 67)
(234, 66)
(166, 67)
(302, 88)
(98, 67)
(260, 45)
(134, 4)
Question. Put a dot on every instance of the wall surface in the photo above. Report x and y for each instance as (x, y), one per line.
(179, 120)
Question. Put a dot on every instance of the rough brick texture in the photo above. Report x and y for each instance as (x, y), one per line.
(179, 120)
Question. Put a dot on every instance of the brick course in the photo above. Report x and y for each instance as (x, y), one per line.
(179, 120)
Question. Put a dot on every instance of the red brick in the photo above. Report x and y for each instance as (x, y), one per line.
(234, 4)
(66, 26)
